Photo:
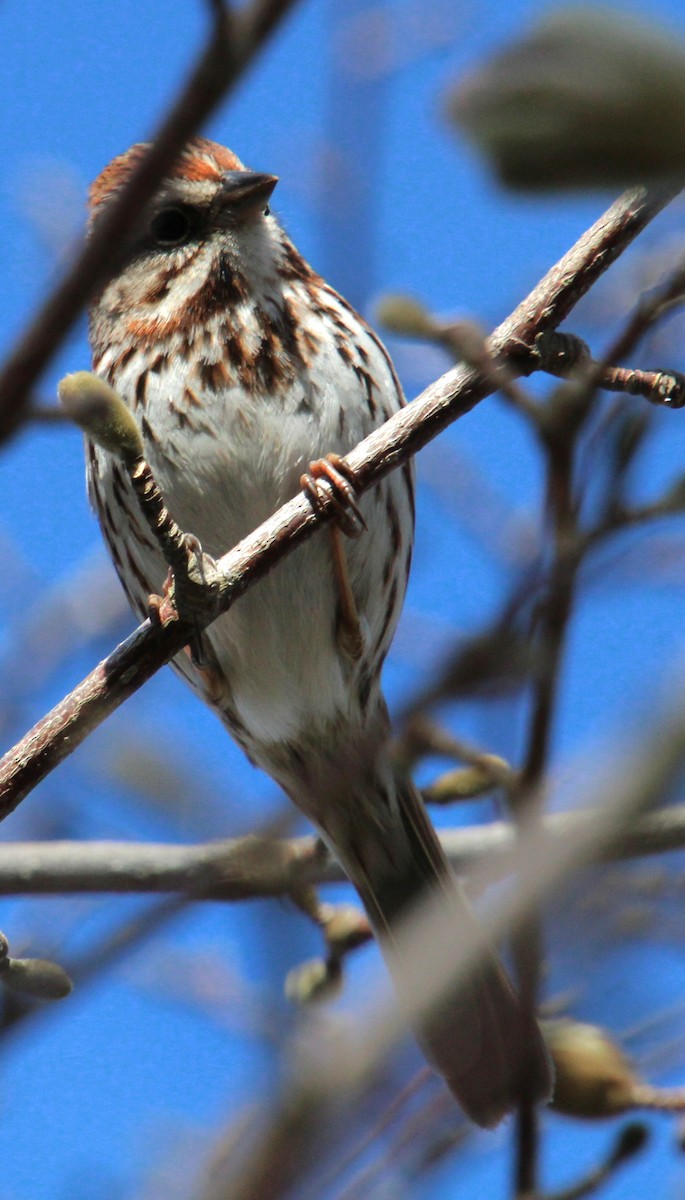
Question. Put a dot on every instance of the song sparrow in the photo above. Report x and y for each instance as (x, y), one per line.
(241, 365)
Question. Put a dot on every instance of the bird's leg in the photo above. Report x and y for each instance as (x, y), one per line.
(161, 610)
(215, 687)
(187, 594)
(349, 627)
(350, 521)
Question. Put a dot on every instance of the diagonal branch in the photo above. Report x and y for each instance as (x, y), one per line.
(450, 397)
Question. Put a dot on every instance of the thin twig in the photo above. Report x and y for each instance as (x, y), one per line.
(631, 1140)
(550, 636)
(562, 354)
(47, 415)
(423, 736)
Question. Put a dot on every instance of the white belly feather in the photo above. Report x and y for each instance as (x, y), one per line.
(277, 645)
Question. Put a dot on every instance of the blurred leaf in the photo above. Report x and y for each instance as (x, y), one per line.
(590, 98)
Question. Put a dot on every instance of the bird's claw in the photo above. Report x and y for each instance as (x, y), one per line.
(161, 609)
(192, 595)
(342, 479)
(197, 590)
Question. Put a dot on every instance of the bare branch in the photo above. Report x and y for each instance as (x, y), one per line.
(252, 867)
(564, 354)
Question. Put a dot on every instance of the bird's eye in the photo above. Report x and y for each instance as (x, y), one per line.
(171, 227)
(267, 211)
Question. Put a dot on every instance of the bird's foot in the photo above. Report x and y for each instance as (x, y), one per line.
(342, 479)
(160, 608)
(191, 595)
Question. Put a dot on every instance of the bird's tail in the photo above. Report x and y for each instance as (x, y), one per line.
(477, 1036)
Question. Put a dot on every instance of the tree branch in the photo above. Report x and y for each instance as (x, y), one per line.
(450, 397)
(252, 867)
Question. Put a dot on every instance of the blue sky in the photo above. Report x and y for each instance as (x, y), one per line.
(380, 195)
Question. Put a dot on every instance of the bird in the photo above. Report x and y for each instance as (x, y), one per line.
(250, 377)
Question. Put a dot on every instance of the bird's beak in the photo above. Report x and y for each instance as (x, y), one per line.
(245, 194)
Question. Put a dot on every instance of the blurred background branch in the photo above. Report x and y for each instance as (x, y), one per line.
(253, 867)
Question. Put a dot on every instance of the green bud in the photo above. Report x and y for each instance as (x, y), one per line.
(405, 316)
(593, 1078)
(37, 977)
(465, 783)
(97, 409)
(346, 926)
(312, 981)
(590, 98)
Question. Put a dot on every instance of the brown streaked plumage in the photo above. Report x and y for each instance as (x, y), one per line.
(242, 366)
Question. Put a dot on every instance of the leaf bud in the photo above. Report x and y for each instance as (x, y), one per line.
(97, 409)
(593, 1078)
(313, 980)
(37, 977)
